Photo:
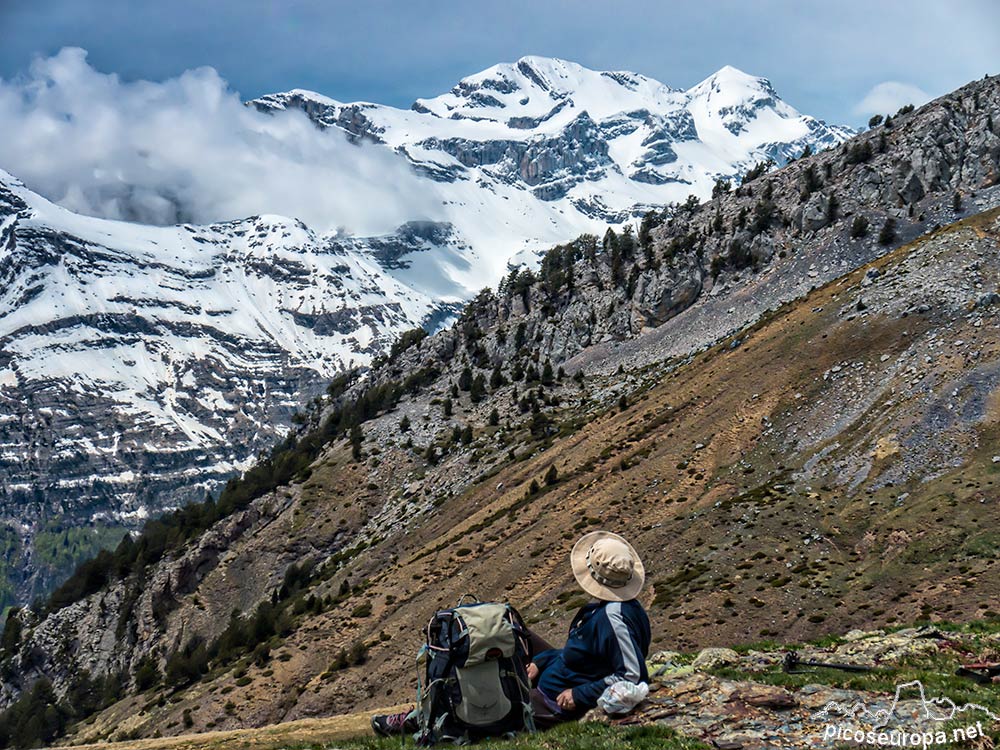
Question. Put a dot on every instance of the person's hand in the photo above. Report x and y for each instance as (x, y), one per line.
(532, 672)
(565, 700)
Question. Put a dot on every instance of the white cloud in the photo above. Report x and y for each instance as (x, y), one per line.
(887, 97)
(188, 149)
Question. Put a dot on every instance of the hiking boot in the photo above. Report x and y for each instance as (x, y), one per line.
(389, 725)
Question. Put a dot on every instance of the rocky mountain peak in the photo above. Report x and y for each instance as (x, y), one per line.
(534, 87)
(733, 82)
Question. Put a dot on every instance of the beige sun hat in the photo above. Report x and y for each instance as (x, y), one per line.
(607, 567)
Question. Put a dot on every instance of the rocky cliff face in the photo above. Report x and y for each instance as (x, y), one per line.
(142, 366)
(785, 399)
(140, 370)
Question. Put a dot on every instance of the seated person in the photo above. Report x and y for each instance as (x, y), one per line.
(608, 639)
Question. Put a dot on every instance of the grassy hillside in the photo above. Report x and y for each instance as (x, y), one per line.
(724, 698)
(831, 467)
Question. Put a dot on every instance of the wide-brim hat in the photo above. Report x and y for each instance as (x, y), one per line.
(607, 567)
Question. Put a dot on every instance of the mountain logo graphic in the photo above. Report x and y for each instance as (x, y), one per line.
(933, 709)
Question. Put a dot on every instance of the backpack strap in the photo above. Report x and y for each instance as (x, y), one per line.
(521, 631)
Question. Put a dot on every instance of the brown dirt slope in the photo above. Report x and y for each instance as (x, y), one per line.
(834, 466)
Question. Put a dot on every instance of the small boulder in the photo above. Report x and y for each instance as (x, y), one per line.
(711, 658)
(664, 657)
(860, 635)
(764, 696)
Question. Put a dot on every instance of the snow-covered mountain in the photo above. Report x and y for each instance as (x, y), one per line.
(140, 366)
(526, 154)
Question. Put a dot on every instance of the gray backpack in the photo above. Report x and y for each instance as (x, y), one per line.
(474, 674)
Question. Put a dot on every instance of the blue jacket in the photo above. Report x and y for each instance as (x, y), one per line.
(608, 642)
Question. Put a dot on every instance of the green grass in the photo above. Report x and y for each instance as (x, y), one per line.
(569, 736)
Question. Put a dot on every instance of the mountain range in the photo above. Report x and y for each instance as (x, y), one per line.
(141, 366)
(785, 396)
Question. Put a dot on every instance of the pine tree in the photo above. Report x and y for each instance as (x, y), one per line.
(552, 475)
(810, 180)
(721, 187)
(832, 207)
(888, 233)
(859, 227)
(356, 438)
(404, 424)
(717, 221)
(477, 391)
(860, 152)
(650, 220)
(494, 418)
(11, 632)
(448, 407)
(547, 374)
(147, 674)
(519, 334)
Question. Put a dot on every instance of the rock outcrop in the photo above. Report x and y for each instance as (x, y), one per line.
(816, 710)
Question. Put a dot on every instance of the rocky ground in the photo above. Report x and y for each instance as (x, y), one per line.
(747, 700)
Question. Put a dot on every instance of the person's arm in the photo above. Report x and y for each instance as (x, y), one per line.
(543, 659)
(620, 648)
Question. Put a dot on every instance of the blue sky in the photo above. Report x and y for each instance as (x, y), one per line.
(824, 58)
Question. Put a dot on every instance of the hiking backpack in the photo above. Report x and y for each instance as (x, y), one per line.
(474, 680)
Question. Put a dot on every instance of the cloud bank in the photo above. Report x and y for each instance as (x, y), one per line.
(188, 150)
(887, 97)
